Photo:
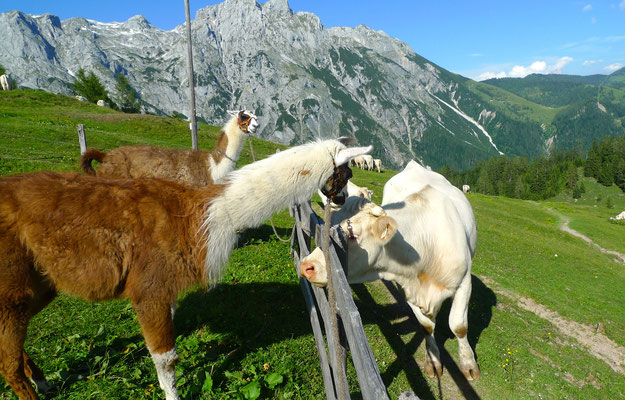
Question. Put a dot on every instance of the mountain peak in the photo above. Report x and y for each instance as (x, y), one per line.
(281, 6)
(138, 22)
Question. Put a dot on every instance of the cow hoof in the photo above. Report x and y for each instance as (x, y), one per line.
(471, 372)
(433, 370)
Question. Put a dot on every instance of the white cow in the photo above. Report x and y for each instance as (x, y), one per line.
(621, 216)
(423, 237)
(378, 164)
(5, 82)
(368, 161)
(359, 161)
(350, 190)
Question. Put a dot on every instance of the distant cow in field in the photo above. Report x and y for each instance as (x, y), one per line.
(368, 162)
(621, 216)
(423, 237)
(466, 188)
(378, 164)
(359, 162)
(5, 82)
(193, 168)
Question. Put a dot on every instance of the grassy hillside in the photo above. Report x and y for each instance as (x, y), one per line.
(540, 295)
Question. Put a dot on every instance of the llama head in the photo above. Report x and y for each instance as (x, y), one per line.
(247, 120)
(333, 187)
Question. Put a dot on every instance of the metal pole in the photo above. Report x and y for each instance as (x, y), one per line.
(193, 124)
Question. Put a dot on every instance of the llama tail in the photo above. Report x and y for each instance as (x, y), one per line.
(87, 157)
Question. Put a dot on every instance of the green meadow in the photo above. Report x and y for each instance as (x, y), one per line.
(545, 318)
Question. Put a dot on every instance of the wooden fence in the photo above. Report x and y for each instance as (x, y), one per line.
(352, 334)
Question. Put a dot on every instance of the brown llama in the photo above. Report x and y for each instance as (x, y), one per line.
(144, 239)
(194, 168)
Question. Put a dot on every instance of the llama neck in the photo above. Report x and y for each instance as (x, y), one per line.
(227, 150)
(255, 192)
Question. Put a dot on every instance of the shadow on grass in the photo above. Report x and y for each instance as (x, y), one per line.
(481, 303)
(263, 233)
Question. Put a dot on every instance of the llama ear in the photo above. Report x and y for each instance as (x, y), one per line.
(347, 154)
(348, 140)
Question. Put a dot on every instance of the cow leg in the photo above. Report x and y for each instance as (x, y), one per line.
(157, 325)
(433, 365)
(458, 322)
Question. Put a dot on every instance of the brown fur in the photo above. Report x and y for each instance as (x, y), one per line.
(189, 167)
(98, 239)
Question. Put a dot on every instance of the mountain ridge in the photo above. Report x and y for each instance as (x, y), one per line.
(303, 80)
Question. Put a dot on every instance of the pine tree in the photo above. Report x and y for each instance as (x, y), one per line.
(608, 203)
(127, 100)
(2, 70)
(90, 87)
(571, 176)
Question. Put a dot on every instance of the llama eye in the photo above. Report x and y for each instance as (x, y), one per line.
(245, 117)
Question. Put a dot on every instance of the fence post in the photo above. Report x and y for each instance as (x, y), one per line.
(368, 374)
(82, 139)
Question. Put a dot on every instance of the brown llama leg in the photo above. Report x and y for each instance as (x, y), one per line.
(45, 294)
(13, 325)
(157, 325)
(23, 293)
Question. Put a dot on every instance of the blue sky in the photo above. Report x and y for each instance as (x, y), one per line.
(477, 39)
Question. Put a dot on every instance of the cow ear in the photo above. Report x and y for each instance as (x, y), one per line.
(347, 154)
(384, 229)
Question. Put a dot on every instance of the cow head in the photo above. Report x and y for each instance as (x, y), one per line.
(368, 229)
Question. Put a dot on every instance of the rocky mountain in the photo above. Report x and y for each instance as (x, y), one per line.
(304, 81)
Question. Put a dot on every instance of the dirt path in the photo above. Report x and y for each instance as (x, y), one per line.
(620, 257)
(566, 228)
(599, 345)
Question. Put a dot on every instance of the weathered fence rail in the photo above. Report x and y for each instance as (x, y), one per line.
(308, 225)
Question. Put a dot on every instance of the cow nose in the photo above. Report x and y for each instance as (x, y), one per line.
(307, 270)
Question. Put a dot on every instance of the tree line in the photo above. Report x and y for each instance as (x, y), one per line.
(545, 176)
(90, 87)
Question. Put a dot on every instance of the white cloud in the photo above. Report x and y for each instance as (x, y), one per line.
(520, 71)
(588, 7)
(476, 55)
(613, 67)
(622, 5)
(490, 75)
(586, 63)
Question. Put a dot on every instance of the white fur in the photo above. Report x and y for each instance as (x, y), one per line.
(165, 367)
(236, 140)
(258, 190)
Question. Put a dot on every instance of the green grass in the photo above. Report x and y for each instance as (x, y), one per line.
(250, 333)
